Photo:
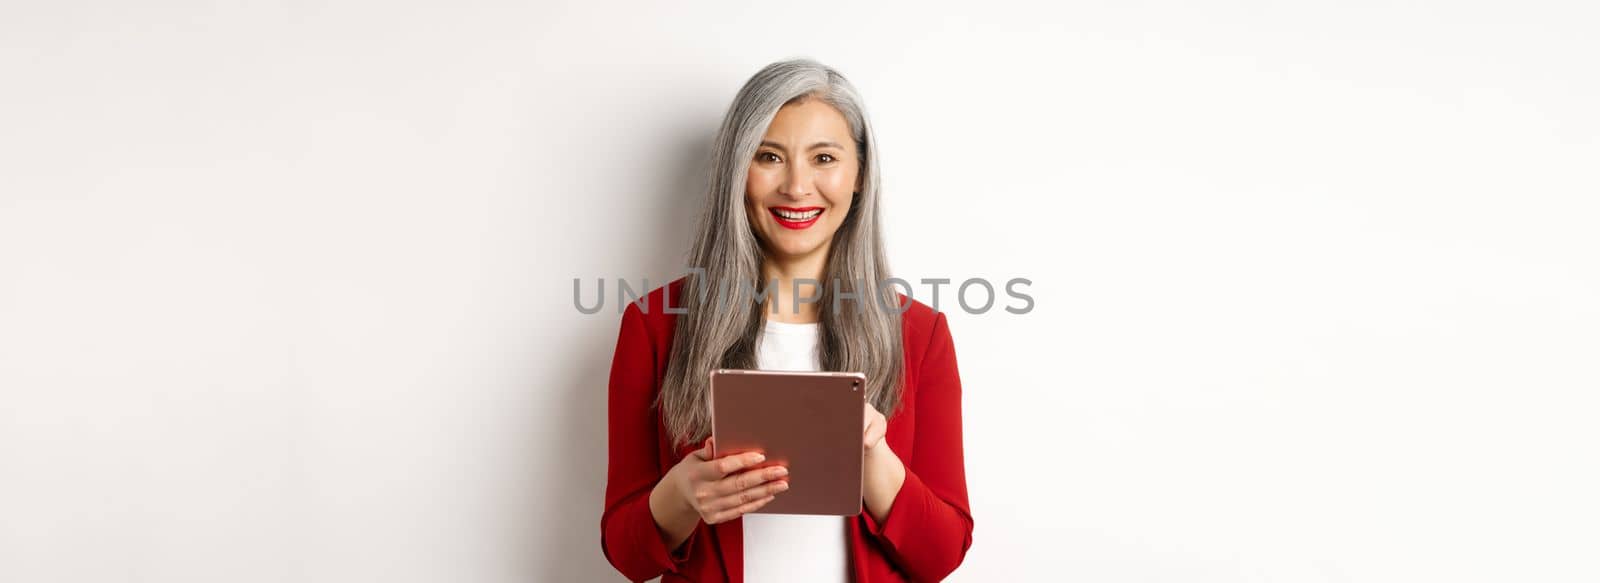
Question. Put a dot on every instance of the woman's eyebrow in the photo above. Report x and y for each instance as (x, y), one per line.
(823, 144)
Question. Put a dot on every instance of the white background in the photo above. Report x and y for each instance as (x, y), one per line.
(286, 287)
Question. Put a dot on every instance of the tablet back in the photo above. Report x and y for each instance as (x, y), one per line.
(810, 422)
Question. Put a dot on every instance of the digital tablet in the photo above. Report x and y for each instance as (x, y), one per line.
(810, 422)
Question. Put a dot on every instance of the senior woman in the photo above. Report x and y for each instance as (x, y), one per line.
(793, 200)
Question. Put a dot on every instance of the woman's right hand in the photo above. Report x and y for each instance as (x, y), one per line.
(726, 488)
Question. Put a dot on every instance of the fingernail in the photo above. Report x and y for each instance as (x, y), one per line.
(781, 471)
(760, 458)
(783, 486)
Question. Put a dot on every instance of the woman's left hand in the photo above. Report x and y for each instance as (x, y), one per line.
(882, 474)
(874, 428)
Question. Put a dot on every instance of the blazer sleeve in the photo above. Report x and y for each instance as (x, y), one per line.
(929, 526)
(629, 537)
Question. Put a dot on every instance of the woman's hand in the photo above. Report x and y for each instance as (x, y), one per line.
(874, 428)
(700, 488)
(882, 471)
(725, 488)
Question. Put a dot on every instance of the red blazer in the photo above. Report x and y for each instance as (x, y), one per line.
(929, 526)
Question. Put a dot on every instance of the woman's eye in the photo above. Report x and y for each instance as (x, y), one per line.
(824, 158)
(767, 157)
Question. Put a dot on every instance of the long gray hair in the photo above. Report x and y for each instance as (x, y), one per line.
(726, 254)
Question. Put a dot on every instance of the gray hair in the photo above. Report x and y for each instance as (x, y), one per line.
(712, 334)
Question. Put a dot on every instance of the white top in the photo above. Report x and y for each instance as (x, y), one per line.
(793, 547)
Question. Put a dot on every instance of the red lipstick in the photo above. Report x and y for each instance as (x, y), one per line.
(797, 218)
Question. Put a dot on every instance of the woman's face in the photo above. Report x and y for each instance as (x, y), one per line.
(802, 180)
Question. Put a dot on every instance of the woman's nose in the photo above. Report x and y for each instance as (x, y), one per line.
(797, 181)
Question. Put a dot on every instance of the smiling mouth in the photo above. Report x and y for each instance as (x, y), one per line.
(795, 218)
